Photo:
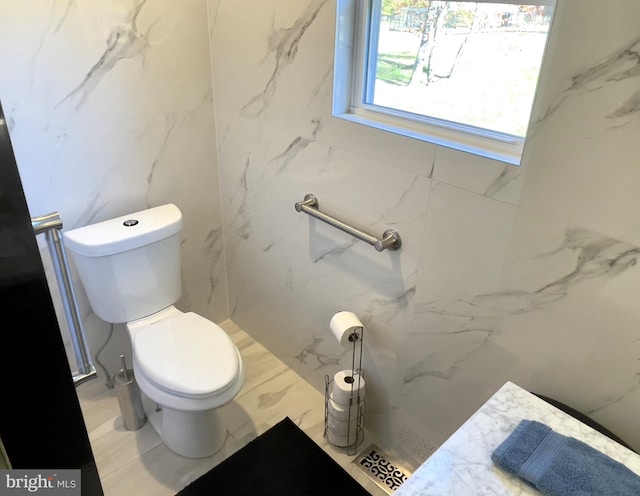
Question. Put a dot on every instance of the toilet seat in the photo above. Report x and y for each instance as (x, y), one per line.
(186, 355)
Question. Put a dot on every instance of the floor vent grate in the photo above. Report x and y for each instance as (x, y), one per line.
(385, 472)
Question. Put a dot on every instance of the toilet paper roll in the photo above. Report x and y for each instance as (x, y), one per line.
(341, 412)
(342, 427)
(342, 441)
(347, 385)
(347, 328)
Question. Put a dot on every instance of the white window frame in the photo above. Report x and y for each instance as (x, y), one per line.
(350, 60)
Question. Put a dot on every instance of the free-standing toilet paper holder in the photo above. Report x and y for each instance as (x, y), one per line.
(351, 414)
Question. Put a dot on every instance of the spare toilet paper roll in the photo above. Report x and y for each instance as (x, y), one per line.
(346, 327)
(347, 385)
(341, 412)
(342, 427)
(342, 441)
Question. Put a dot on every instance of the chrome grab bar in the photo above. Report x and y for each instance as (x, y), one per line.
(390, 239)
(50, 225)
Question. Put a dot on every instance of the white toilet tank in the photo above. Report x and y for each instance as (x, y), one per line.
(130, 266)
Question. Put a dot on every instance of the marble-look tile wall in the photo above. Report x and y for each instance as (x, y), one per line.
(110, 109)
(526, 274)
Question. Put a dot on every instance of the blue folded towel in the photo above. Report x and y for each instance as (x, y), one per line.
(558, 465)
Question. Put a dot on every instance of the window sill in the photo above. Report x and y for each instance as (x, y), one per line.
(507, 152)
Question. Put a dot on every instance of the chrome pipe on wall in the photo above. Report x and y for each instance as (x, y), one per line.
(50, 225)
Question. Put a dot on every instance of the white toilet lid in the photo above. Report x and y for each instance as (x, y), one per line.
(186, 354)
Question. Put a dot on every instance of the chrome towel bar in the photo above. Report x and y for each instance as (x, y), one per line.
(390, 239)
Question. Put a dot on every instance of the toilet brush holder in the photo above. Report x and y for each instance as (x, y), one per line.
(133, 416)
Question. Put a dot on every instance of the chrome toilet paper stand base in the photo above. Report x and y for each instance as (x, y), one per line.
(356, 403)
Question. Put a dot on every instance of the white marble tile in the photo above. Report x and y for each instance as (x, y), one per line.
(462, 465)
(84, 63)
(284, 64)
(296, 323)
(481, 175)
(506, 293)
(581, 162)
(405, 154)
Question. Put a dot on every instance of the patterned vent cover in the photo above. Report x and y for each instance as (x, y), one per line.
(380, 469)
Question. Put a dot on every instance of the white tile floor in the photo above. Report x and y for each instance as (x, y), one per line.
(137, 463)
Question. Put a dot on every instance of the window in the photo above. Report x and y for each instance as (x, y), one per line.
(458, 74)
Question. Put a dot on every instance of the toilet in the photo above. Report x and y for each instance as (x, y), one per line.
(186, 366)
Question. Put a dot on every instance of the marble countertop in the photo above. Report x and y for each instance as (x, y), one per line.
(463, 466)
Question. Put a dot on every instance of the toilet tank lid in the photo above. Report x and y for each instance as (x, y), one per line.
(126, 232)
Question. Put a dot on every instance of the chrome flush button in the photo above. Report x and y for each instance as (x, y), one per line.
(130, 222)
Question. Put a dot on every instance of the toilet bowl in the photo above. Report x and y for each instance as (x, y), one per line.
(186, 366)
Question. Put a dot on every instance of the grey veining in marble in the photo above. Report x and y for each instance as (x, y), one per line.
(506, 176)
(124, 42)
(595, 257)
(622, 64)
(283, 46)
